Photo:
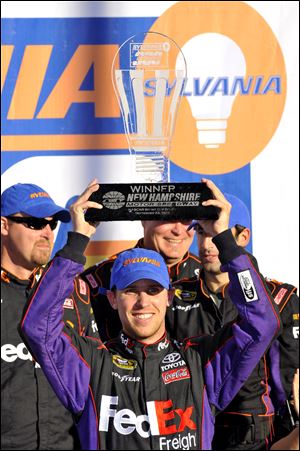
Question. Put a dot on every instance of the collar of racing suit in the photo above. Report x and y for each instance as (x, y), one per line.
(139, 350)
(10, 278)
(204, 288)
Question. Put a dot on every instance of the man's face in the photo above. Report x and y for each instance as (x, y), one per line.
(28, 247)
(170, 239)
(208, 252)
(142, 308)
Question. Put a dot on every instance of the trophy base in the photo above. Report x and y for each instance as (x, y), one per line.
(151, 201)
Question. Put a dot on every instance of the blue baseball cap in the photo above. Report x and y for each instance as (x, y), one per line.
(31, 200)
(239, 213)
(136, 264)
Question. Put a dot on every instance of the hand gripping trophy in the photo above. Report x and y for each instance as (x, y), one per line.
(149, 73)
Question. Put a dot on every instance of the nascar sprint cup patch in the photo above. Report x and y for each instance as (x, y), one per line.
(247, 286)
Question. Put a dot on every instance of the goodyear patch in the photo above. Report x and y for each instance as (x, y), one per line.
(125, 364)
(185, 295)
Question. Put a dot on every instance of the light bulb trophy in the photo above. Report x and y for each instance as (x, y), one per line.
(149, 89)
(215, 61)
(149, 75)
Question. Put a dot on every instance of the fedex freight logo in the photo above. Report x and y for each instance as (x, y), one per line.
(161, 419)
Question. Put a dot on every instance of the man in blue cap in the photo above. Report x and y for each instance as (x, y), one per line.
(31, 415)
(142, 390)
(203, 305)
(29, 214)
(144, 320)
(171, 239)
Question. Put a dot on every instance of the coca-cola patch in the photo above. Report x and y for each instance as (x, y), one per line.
(176, 374)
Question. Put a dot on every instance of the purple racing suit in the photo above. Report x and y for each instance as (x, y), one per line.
(129, 395)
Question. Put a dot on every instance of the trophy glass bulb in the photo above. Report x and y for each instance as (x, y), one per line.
(148, 88)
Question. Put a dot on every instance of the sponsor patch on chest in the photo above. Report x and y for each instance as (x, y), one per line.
(69, 303)
(125, 364)
(175, 375)
(185, 295)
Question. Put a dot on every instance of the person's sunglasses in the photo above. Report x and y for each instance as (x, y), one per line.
(34, 223)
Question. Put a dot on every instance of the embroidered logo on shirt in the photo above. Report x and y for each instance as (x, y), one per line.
(69, 303)
(175, 375)
(279, 296)
(184, 295)
(82, 286)
(247, 286)
(163, 345)
(92, 280)
(124, 363)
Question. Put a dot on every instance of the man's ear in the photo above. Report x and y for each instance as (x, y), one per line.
(243, 238)
(112, 299)
(171, 294)
(4, 225)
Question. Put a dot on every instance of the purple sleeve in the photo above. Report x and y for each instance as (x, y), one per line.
(67, 371)
(258, 323)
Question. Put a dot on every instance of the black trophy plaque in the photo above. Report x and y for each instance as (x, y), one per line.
(151, 201)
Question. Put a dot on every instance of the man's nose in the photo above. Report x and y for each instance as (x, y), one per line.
(206, 243)
(178, 228)
(46, 231)
(142, 298)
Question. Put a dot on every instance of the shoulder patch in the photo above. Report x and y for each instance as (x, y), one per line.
(82, 287)
(247, 286)
(280, 295)
(92, 280)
